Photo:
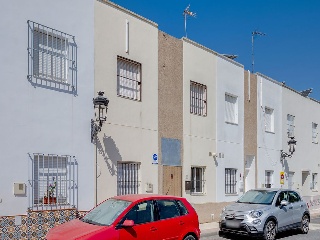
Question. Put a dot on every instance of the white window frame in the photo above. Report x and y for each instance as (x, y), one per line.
(314, 132)
(129, 78)
(128, 178)
(198, 180)
(269, 119)
(231, 108)
(268, 182)
(290, 125)
(231, 181)
(198, 99)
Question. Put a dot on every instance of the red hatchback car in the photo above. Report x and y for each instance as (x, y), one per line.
(148, 217)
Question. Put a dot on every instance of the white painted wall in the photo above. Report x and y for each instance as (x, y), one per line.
(131, 131)
(269, 143)
(199, 132)
(36, 119)
(230, 79)
(306, 156)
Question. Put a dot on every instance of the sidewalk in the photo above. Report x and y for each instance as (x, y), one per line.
(212, 228)
(209, 229)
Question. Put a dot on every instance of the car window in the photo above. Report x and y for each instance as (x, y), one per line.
(167, 209)
(106, 212)
(182, 208)
(141, 213)
(293, 197)
(258, 197)
(282, 196)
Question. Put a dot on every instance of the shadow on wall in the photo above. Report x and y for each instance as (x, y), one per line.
(110, 153)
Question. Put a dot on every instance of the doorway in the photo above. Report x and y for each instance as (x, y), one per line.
(250, 173)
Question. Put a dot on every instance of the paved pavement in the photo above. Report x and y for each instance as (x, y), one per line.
(212, 228)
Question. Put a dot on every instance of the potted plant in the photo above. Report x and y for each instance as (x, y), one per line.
(49, 198)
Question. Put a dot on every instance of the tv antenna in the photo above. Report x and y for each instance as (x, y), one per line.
(253, 35)
(187, 13)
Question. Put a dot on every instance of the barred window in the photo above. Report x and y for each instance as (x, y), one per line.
(230, 180)
(231, 108)
(198, 99)
(52, 54)
(128, 78)
(314, 183)
(128, 178)
(290, 125)
(197, 180)
(269, 119)
(53, 181)
(314, 133)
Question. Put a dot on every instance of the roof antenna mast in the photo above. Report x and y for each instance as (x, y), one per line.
(253, 35)
(186, 13)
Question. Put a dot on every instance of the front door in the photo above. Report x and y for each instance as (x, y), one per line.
(250, 172)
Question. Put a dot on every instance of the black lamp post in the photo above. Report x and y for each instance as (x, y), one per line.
(291, 147)
(101, 104)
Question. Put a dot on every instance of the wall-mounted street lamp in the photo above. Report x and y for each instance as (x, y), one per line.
(292, 148)
(101, 104)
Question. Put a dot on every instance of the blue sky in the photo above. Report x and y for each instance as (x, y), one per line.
(289, 52)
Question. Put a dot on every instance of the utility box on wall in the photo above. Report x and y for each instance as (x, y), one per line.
(19, 189)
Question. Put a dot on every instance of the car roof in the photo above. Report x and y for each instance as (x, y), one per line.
(272, 189)
(136, 197)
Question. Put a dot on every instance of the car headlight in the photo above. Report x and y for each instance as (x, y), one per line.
(255, 214)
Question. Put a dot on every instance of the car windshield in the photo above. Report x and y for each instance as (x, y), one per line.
(257, 197)
(106, 212)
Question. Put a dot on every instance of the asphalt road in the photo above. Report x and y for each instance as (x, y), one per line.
(313, 234)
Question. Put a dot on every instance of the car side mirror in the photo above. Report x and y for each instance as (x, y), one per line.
(284, 203)
(127, 223)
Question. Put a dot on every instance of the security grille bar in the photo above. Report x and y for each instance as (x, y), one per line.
(54, 182)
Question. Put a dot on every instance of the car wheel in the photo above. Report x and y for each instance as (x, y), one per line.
(304, 224)
(189, 237)
(269, 232)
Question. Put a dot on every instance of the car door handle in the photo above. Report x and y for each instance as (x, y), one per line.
(290, 207)
(153, 229)
(181, 222)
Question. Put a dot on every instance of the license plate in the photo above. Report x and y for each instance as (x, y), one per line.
(232, 224)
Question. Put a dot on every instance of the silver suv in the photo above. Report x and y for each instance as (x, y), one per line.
(265, 212)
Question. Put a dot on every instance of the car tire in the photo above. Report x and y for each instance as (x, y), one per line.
(269, 232)
(189, 237)
(304, 224)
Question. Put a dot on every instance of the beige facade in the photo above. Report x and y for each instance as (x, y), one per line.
(170, 108)
(130, 134)
(250, 130)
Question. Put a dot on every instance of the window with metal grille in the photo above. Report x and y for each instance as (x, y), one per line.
(53, 181)
(128, 178)
(128, 78)
(314, 182)
(52, 54)
(231, 109)
(198, 98)
(269, 119)
(314, 133)
(230, 180)
(290, 125)
(197, 180)
(268, 179)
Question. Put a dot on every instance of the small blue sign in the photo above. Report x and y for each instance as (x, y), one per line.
(154, 159)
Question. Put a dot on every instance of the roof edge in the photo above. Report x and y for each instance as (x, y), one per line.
(116, 6)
